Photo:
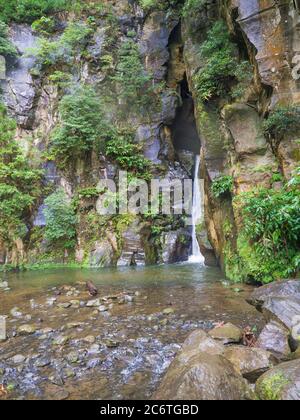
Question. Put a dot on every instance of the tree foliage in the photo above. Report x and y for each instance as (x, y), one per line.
(19, 183)
(60, 220)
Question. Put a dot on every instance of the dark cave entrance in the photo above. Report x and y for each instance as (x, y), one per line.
(184, 130)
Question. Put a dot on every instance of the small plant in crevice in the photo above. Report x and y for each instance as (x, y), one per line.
(222, 186)
(222, 74)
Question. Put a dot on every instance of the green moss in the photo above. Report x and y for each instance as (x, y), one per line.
(271, 387)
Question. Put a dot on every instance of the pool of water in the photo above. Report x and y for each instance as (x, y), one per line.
(121, 351)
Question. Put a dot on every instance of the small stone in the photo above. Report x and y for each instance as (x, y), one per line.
(72, 357)
(56, 380)
(65, 305)
(93, 303)
(72, 325)
(3, 285)
(89, 339)
(61, 340)
(45, 331)
(69, 373)
(75, 304)
(227, 334)
(40, 363)
(128, 298)
(168, 311)
(102, 308)
(18, 359)
(26, 329)
(111, 343)
(15, 312)
(94, 349)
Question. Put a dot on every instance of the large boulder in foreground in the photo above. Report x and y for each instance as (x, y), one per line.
(284, 289)
(200, 372)
(205, 377)
(250, 362)
(275, 339)
(281, 383)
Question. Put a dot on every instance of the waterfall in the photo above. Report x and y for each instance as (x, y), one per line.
(197, 216)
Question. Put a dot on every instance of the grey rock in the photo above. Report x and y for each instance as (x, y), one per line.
(275, 339)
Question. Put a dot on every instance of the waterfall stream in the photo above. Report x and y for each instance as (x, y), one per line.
(197, 216)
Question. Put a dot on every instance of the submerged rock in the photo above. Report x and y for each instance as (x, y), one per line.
(281, 383)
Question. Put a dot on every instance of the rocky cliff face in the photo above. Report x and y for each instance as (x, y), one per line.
(233, 140)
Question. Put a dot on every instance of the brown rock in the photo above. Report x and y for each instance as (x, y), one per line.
(227, 334)
(275, 339)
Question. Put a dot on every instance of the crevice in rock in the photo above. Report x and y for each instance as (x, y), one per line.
(184, 130)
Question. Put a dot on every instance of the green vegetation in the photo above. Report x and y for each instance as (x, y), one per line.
(64, 50)
(7, 49)
(27, 11)
(193, 7)
(134, 85)
(223, 186)
(128, 155)
(281, 121)
(83, 125)
(60, 221)
(44, 26)
(19, 184)
(223, 74)
(268, 246)
(270, 388)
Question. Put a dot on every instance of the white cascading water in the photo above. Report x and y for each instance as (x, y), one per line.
(197, 216)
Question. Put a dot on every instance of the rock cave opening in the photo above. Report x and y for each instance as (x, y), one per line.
(184, 130)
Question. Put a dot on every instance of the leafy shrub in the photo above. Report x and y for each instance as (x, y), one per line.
(281, 121)
(270, 240)
(83, 125)
(27, 11)
(19, 183)
(135, 85)
(7, 49)
(60, 220)
(222, 186)
(127, 154)
(44, 25)
(64, 50)
(222, 69)
(193, 7)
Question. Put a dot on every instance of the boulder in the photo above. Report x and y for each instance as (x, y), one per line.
(250, 362)
(199, 342)
(204, 377)
(227, 334)
(287, 288)
(283, 309)
(275, 339)
(281, 383)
